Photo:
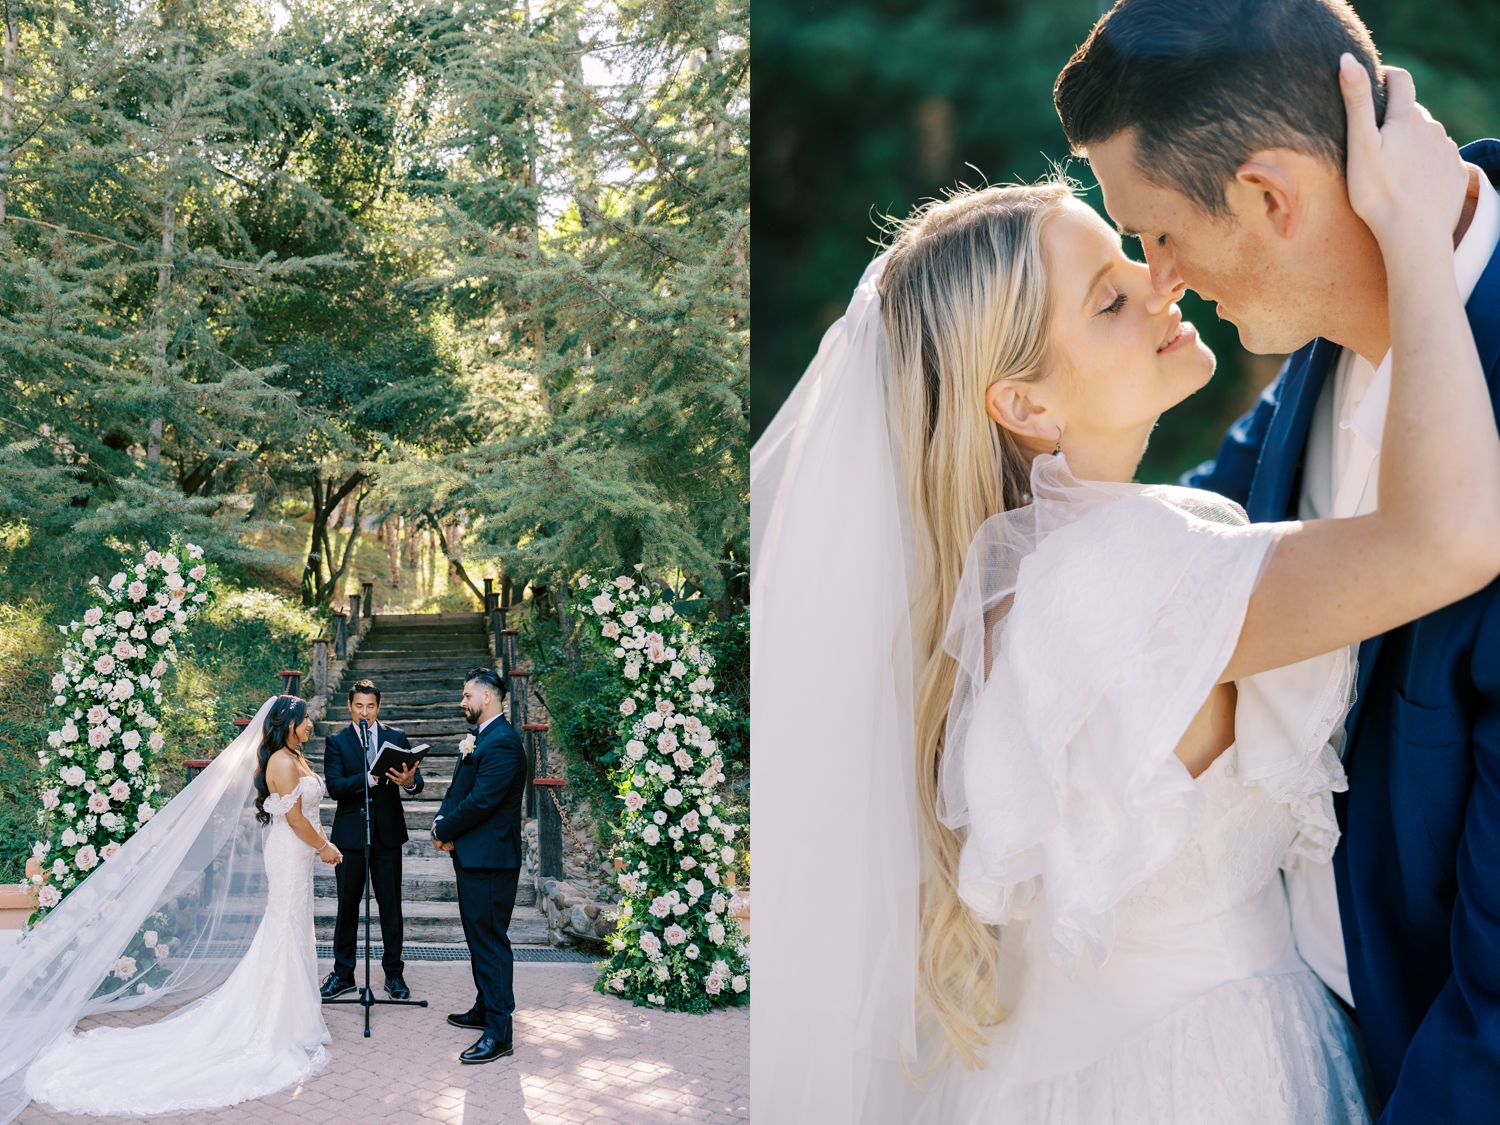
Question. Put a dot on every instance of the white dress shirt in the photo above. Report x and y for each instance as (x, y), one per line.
(1339, 478)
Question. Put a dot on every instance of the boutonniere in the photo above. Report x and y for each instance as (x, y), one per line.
(466, 747)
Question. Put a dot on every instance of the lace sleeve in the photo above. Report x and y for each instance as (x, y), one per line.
(278, 805)
(1120, 624)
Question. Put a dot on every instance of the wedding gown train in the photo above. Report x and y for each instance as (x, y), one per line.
(261, 1031)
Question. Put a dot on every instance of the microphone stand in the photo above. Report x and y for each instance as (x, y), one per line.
(366, 998)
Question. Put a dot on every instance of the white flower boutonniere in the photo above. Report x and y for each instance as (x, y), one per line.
(466, 747)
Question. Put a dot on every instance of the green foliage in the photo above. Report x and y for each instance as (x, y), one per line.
(865, 107)
(28, 657)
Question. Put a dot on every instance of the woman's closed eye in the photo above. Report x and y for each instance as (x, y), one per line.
(1114, 306)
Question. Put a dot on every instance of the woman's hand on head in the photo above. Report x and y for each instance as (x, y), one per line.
(1406, 178)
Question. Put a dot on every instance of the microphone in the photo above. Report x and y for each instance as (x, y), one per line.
(364, 743)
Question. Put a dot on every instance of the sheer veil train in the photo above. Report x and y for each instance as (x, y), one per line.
(833, 778)
(162, 923)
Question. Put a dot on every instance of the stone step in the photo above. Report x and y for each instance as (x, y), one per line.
(417, 729)
(426, 620)
(419, 812)
(425, 696)
(424, 879)
(386, 671)
(430, 921)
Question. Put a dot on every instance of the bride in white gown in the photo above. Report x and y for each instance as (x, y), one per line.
(1076, 726)
(262, 1030)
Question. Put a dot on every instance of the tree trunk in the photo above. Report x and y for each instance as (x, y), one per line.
(390, 535)
(326, 499)
(163, 289)
(456, 569)
(8, 105)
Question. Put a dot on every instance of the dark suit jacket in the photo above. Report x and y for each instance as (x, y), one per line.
(344, 771)
(481, 815)
(1418, 867)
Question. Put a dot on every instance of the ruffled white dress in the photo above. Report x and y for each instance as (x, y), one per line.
(1155, 975)
(261, 1031)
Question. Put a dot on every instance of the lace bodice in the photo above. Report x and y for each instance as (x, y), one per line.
(1238, 847)
(309, 790)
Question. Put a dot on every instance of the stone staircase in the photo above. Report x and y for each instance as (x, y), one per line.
(418, 662)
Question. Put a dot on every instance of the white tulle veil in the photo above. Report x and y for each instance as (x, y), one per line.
(191, 880)
(833, 786)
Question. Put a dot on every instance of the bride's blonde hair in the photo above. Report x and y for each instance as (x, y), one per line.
(964, 299)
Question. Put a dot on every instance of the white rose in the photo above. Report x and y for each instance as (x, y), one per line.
(650, 944)
(666, 742)
(707, 842)
(69, 837)
(694, 888)
(657, 613)
(162, 951)
(175, 582)
(610, 629)
(124, 968)
(119, 791)
(629, 617)
(156, 741)
(713, 985)
(738, 984)
(678, 669)
(726, 856)
(145, 812)
(194, 551)
(132, 760)
(106, 761)
(627, 706)
(122, 690)
(672, 798)
(716, 933)
(54, 739)
(602, 604)
(198, 573)
(170, 562)
(117, 582)
(636, 749)
(98, 803)
(124, 619)
(634, 802)
(49, 798)
(86, 858)
(688, 863)
(109, 851)
(59, 682)
(72, 775)
(152, 558)
(105, 664)
(93, 616)
(652, 720)
(690, 822)
(48, 897)
(674, 934)
(159, 669)
(161, 636)
(69, 732)
(632, 671)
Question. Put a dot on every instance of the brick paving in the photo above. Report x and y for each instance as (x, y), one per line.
(580, 1057)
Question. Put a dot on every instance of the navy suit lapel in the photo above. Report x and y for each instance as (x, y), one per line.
(1271, 490)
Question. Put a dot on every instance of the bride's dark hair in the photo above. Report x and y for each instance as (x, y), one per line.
(284, 716)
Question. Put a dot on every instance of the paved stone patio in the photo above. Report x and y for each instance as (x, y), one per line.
(580, 1057)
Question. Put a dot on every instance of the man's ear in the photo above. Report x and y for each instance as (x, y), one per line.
(1263, 187)
(1008, 405)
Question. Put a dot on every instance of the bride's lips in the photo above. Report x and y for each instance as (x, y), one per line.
(1180, 334)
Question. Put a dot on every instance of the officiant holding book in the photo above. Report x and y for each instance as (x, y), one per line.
(348, 760)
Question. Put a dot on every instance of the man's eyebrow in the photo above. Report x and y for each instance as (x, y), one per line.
(1126, 232)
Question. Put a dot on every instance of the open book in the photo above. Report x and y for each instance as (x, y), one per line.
(393, 757)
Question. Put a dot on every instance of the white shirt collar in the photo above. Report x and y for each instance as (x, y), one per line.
(486, 723)
(1470, 258)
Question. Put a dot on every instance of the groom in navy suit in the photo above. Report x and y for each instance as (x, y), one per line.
(1217, 132)
(479, 824)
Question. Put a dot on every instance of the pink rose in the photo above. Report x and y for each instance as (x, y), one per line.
(136, 590)
(198, 573)
(93, 616)
(109, 851)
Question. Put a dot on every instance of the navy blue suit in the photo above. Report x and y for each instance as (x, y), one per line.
(1418, 867)
(344, 771)
(481, 818)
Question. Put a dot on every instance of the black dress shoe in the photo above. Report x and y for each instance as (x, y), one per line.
(396, 988)
(471, 1018)
(335, 985)
(488, 1049)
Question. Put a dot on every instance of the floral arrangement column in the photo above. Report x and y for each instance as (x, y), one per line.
(106, 709)
(677, 945)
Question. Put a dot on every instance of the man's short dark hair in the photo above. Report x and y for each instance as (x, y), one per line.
(365, 687)
(1205, 84)
(489, 678)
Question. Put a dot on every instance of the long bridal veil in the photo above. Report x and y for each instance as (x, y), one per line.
(162, 923)
(833, 786)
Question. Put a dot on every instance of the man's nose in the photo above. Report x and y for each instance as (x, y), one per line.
(1167, 285)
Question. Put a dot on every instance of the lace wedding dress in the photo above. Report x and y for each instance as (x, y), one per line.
(259, 1032)
(1155, 975)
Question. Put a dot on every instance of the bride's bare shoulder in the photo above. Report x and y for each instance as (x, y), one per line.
(282, 774)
